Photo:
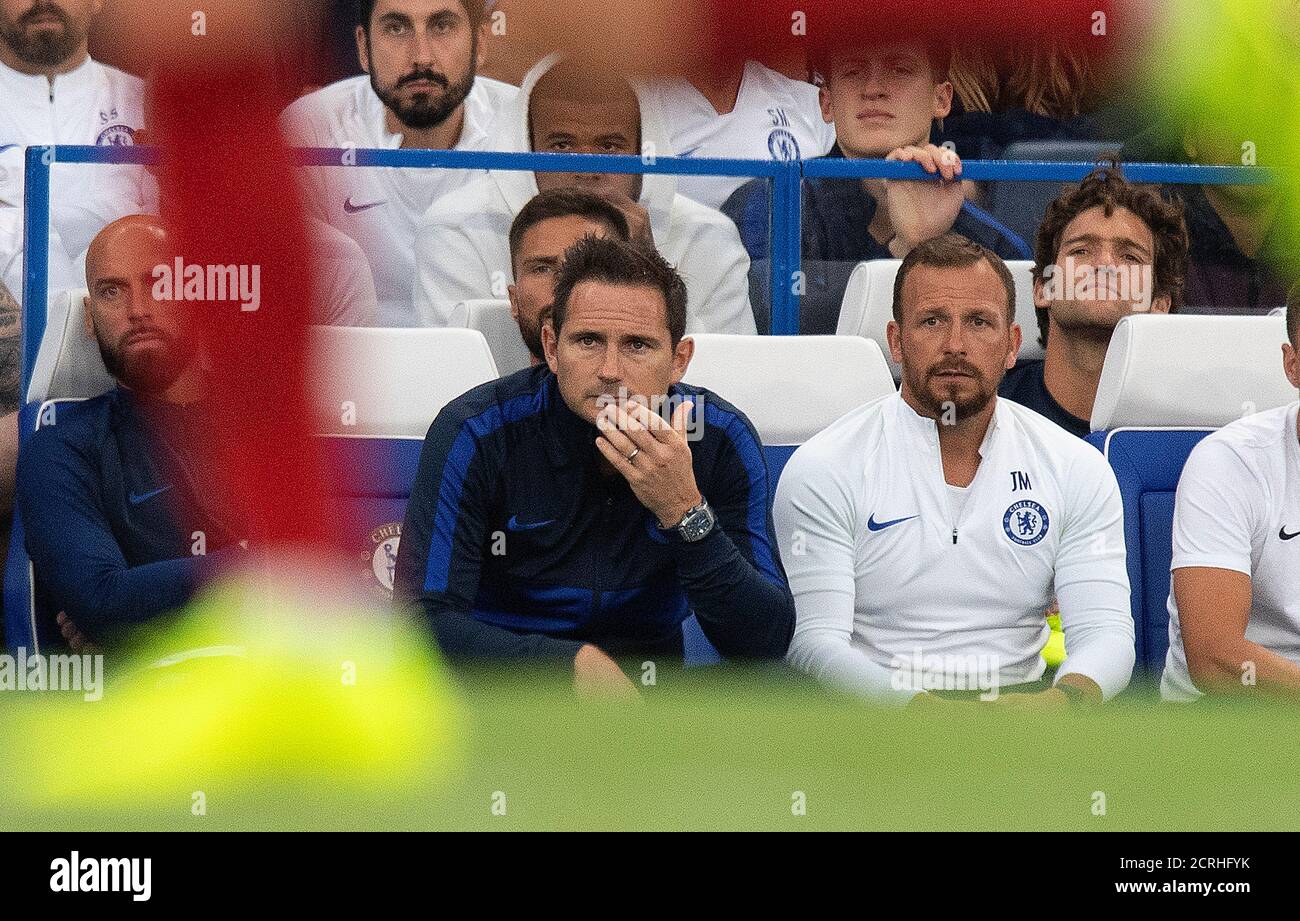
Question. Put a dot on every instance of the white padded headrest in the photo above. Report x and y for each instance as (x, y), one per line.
(68, 364)
(1188, 370)
(393, 382)
(790, 387)
(869, 305)
(501, 330)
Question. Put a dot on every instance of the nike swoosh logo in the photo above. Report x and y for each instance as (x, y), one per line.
(350, 208)
(1285, 536)
(514, 524)
(873, 525)
(687, 153)
(145, 497)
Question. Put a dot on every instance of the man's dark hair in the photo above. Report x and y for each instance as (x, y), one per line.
(566, 203)
(953, 251)
(617, 262)
(1107, 188)
(1293, 314)
(474, 9)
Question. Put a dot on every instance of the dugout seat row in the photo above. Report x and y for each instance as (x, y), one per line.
(865, 311)
(1169, 381)
(378, 390)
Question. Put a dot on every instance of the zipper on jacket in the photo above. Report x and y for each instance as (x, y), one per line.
(943, 484)
(606, 517)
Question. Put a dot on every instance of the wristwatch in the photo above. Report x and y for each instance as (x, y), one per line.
(696, 524)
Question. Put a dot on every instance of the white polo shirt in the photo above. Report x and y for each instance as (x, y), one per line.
(1238, 508)
(775, 118)
(381, 208)
(894, 571)
(94, 105)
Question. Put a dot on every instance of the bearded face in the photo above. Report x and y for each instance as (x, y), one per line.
(144, 357)
(44, 34)
(422, 57)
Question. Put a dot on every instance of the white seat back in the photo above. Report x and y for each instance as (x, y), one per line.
(391, 383)
(501, 330)
(790, 387)
(68, 364)
(1191, 371)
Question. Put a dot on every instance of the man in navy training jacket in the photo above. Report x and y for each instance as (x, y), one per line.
(584, 509)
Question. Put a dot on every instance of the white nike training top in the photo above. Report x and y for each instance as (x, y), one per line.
(775, 118)
(94, 104)
(1238, 508)
(381, 208)
(889, 581)
(463, 243)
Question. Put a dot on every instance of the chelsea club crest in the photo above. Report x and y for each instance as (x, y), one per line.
(382, 555)
(1026, 522)
(782, 145)
(116, 136)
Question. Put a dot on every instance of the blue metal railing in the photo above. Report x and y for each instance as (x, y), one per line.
(784, 214)
(1038, 171)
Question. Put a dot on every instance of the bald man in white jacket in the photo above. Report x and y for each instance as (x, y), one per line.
(462, 247)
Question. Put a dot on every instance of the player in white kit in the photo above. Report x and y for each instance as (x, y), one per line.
(53, 92)
(925, 534)
(1234, 602)
(564, 106)
(421, 90)
(753, 113)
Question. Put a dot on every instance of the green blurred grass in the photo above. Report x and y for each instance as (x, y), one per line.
(725, 749)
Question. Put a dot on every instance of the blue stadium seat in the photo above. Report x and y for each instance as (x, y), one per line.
(768, 379)
(1020, 205)
(377, 392)
(29, 623)
(68, 368)
(1169, 381)
(1147, 464)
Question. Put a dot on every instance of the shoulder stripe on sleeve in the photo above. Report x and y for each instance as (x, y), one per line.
(437, 571)
(751, 457)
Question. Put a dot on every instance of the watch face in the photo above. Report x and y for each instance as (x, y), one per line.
(697, 524)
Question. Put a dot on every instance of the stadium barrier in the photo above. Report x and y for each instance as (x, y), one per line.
(785, 201)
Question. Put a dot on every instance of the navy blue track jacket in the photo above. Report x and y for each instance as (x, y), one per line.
(113, 514)
(516, 544)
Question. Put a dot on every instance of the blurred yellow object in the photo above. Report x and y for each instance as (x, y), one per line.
(252, 683)
(1231, 69)
(1054, 651)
